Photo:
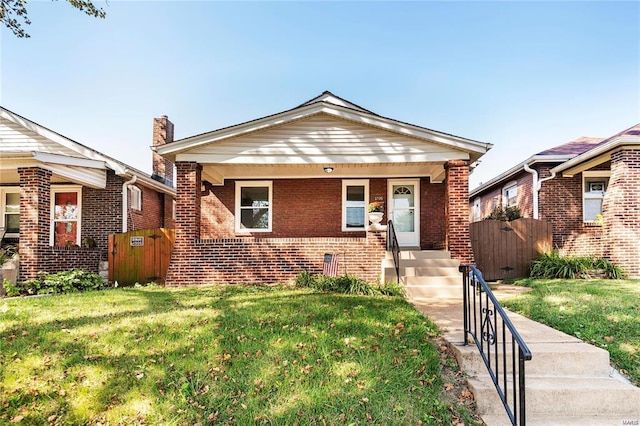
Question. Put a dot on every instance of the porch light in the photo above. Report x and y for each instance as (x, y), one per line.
(328, 169)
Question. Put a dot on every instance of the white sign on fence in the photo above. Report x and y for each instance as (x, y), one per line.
(136, 241)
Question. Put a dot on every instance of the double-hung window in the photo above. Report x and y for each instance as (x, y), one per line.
(66, 209)
(510, 195)
(10, 210)
(254, 206)
(136, 198)
(594, 186)
(355, 198)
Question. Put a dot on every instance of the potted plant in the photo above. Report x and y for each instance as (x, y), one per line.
(376, 210)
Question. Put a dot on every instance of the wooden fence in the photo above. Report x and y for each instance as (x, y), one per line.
(505, 249)
(140, 256)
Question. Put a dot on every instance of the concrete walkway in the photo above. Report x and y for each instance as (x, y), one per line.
(568, 381)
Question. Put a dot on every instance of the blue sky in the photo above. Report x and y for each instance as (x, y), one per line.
(523, 76)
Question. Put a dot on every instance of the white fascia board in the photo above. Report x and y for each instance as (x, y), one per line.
(92, 178)
(518, 168)
(596, 152)
(68, 161)
(330, 109)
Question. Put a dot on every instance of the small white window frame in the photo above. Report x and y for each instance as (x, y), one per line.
(256, 183)
(135, 198)
(477, 209)
(505, 194)
(589, 195)
(354, 182)
(4, 190)
(65, 188)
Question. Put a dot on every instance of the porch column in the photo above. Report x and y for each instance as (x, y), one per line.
(621, 226)
(188, 188)
(35, 218)
(457, 213)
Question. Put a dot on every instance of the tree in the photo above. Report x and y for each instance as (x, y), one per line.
(13, 13)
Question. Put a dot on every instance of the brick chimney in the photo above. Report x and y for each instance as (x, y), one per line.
(162, 134)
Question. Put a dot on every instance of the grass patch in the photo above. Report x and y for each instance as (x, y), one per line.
(224, 355)
(605, 313)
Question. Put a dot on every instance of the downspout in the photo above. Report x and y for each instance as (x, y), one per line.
(537, 184)
(125, 200)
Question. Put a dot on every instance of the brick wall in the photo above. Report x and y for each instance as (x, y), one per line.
(57, 259)
(274, 260)
(163, 169)
(153, 213)
(622, 214)
(102, 212)
(433, 228)
(492, 196)
(457, 211)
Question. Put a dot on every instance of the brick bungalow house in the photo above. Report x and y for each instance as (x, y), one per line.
(59, 199)
(588, 189)
(261, 200)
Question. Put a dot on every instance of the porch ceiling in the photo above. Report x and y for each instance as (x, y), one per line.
(217, 173)
(61, 173)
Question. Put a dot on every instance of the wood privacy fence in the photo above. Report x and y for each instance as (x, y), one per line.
(140, 256)
(506, 249)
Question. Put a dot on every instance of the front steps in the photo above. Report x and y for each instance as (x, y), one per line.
(568, 382)
(426, 274)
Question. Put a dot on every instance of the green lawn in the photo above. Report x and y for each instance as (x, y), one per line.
(219, 355)
(605, 313)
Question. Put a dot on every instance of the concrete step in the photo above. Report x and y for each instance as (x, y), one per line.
(425, 263)
(421, 254)
(564, 396)
(550, 359)
(434, 280)
(433, 292)
(544, 420)
(414, 271)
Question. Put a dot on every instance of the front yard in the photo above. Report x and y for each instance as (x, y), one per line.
(224, 355)
(605, 313)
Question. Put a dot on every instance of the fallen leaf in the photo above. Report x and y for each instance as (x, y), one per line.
(609, 339)
(17, 419)
(448, 386)
(466, 394)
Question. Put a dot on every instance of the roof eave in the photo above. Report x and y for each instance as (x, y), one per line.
(598, 151)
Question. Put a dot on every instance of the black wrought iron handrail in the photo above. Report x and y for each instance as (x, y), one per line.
(394, 248)
(486, 321)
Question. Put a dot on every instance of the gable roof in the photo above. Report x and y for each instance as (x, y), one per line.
(559, 153)
(601, 152)
(334, 108)
(71, 154)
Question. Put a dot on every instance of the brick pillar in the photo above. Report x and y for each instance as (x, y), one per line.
(621, 212)
(188, 188)
(35, 218)
(457, 212)
(162, 134)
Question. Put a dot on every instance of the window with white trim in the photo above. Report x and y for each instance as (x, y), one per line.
(594, 186)
(253, 206)
(135, 195)
(10, 210)
(66, 215)
(477, 209)
(355, 198)
(510, 195)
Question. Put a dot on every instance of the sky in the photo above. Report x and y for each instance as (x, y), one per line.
(523, 76)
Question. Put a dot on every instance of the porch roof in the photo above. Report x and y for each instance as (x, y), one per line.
(326, 131)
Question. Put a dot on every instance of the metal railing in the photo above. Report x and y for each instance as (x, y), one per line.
(394, 248)
(503, 350)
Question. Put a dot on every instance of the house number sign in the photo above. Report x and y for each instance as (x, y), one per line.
(136, 241)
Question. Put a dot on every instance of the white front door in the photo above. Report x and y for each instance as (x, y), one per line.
(404, 211)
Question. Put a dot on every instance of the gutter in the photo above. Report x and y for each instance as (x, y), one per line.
(537, 184)
(125, 200)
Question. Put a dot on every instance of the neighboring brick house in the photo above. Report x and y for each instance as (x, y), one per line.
(59, 199)
(262, 200)
(588, 189)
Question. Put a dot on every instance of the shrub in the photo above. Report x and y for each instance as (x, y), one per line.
(553, 265)
(506, 214)
(348, 284)
(60, 282)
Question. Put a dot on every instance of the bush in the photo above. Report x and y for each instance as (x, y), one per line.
(506, 214)
(348, 284)
(571, 267)
(60, 282)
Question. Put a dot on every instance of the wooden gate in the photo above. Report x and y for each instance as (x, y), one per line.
(140, 256)
(506, 249)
